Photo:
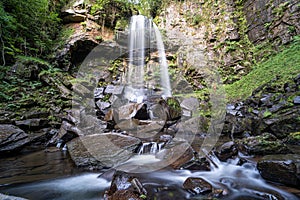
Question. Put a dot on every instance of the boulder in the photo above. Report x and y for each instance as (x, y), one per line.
(81, 156)
(262, 145)
(176, 153)
(102, 150)
(283, 169)
(12, 138)
(124, 187)
(226, 151)
(197, 185)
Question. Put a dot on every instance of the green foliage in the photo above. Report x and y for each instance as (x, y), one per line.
(280, 67)
(28, 27)
(99, 6)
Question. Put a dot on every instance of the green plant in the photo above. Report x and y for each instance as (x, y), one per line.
(283, 66)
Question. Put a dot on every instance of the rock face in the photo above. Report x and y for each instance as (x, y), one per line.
(102, 150)
(124, 187)
(283, 169)
(12, 138)
(268, 19)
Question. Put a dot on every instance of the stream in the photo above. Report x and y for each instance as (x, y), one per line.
(51, 175)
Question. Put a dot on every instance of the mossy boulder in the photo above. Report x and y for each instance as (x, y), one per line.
(264, 144)
(293, 138)
(281, 168)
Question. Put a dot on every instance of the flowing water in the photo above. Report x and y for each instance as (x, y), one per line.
(61, 181)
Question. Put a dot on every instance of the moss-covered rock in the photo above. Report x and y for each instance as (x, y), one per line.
(262, 145)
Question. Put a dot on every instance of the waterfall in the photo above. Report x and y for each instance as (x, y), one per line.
(150, 148)
(144, 37)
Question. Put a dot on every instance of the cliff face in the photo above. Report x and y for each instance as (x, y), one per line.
(273, 20)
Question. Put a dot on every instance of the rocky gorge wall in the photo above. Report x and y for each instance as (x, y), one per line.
(271, 20)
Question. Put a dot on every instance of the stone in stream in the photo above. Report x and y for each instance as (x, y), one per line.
(283, 169)
(12, 138)
(262, 145)
(124, 187)
(197, 185)
(102, 150)
(226, 151)
(176, 153)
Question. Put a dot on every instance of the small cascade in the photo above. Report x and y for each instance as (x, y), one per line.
(150, 148)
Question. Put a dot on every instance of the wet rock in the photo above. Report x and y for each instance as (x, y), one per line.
(189, 126)
(9, 197)
(284, 122)
(12, 139)
(98, 93)
(81, 156)
(127, 111)
(174, 109)
(262, 145)
(142, 129)
(199, 165)
(281, 169)
(31, 124)
(293, 138)
(226, 151)
(266, 100)
(176, 153)
(124, 187)
(106, 149)
(296, 100)
(190, 104)
(197, 185)
(102, 105)
(109, 89)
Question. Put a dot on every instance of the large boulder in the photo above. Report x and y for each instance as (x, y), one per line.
(262, 145)
(102, 150)
(12, 138)
(124, 187)
(176, 153)
(197, 185)
(283, 169)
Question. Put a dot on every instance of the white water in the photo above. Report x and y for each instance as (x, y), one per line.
(87, 186)
(142, 33)
(150, 147)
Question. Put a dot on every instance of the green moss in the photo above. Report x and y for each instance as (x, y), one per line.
(281, 67)
(295, 135)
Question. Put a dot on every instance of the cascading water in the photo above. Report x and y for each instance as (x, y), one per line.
(144, 37)
(150, 147)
